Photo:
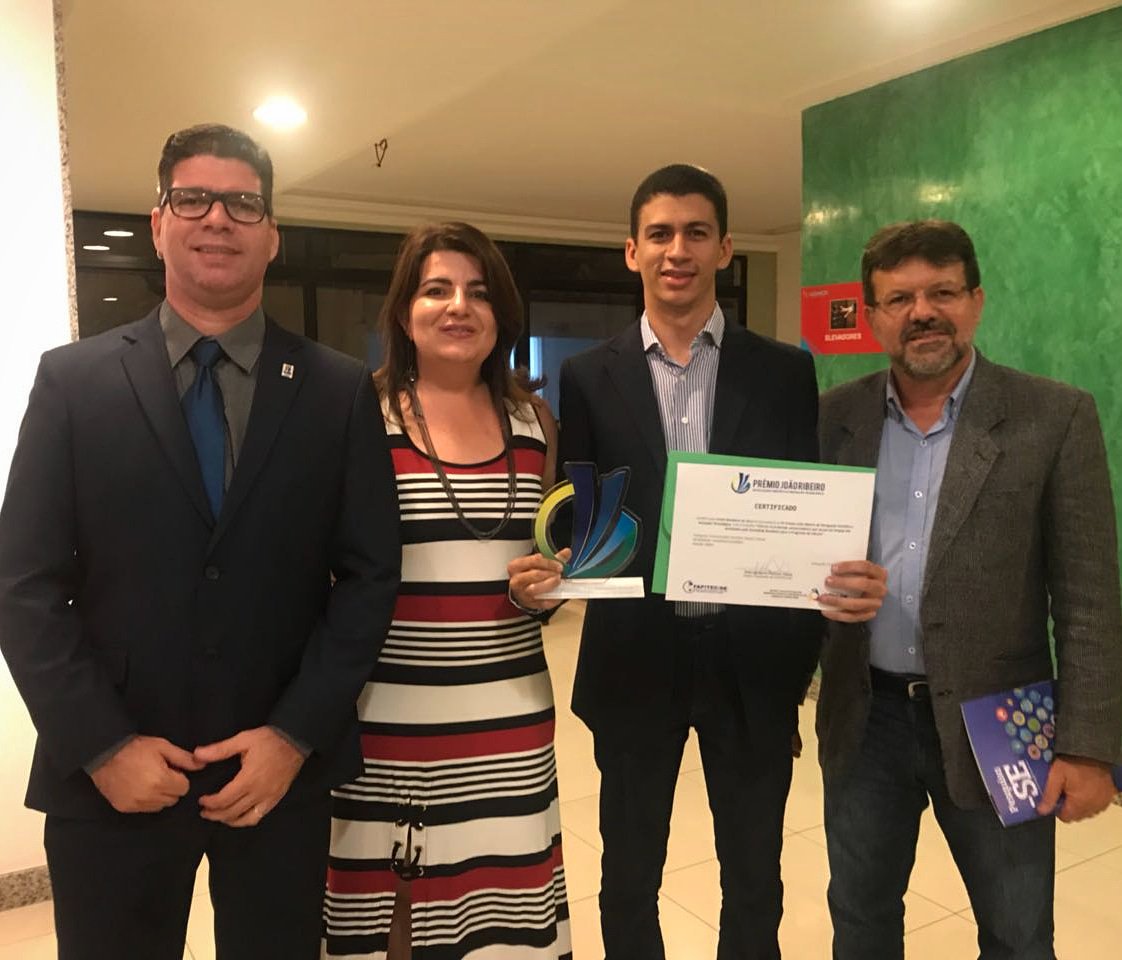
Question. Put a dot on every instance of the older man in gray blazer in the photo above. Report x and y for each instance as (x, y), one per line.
(993, 511)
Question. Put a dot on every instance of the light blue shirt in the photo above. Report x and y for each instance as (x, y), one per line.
(910, 469)
(685, 392)
(685, 402)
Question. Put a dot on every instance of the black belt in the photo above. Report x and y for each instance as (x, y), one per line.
(906, 686)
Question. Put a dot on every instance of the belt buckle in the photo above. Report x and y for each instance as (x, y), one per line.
(916, 689)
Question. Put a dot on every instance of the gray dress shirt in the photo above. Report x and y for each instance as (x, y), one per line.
(236, 372)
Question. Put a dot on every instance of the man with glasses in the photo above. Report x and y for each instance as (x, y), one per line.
(198, 560)
(993, 511)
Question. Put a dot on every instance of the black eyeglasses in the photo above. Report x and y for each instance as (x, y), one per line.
(194, 203)
(942, 298)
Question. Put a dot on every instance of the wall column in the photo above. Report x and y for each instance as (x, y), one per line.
(36, 260)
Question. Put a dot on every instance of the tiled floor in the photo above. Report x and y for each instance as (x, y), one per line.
(938, 918)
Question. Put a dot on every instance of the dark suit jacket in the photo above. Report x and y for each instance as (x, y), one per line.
(124, 607)
(1024, 528)
(765, 405)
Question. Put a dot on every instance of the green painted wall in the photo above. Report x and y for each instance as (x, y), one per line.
(1022, 145)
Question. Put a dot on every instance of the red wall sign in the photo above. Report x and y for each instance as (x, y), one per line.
(833, 320)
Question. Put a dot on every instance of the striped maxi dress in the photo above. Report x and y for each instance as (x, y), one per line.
(459, 782)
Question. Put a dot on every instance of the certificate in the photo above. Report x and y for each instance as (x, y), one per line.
(763, 532)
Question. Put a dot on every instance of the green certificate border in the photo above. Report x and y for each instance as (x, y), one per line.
(666, 514)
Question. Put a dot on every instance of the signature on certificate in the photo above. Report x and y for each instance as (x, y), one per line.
(773, 567)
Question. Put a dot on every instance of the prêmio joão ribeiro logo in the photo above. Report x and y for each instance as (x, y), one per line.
(743, 485)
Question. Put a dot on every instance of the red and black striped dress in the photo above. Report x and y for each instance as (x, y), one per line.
(459, 787)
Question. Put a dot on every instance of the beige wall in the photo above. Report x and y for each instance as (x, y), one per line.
(37, 312)
(761, 291)
(788, 279)
(774, 269)
(774, 275)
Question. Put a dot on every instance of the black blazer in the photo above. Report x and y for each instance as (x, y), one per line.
(125, 608)
(765, 405)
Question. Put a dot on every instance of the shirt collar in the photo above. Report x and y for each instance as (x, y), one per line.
(242, 343)
(954, 402)
(714, 330)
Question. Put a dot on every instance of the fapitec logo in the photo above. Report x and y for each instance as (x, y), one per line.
(689, 586)
(743, 485)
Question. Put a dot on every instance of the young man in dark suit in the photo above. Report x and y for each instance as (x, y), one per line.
(198, 560)
(993, 513)
(649, 670)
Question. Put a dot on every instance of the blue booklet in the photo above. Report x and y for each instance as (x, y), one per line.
(1011, 734)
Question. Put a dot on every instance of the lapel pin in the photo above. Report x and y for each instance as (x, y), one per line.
(287, 371)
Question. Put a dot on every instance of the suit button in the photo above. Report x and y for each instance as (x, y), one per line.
(212, 573)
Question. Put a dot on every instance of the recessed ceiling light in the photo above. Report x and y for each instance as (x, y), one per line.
(109, 299)
(281, 113)
(98, 247)
(118, 233)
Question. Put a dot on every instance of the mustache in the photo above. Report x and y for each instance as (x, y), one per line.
(918, 328)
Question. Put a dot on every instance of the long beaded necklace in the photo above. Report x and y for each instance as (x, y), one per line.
(430, 452)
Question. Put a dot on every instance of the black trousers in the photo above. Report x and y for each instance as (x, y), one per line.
(747, 770)
(122, 887)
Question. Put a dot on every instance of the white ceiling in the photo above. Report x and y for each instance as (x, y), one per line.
(533, 118)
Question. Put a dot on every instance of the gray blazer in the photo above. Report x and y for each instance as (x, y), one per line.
(1024, 529)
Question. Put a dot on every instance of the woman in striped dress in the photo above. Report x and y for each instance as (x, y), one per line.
(448, 845)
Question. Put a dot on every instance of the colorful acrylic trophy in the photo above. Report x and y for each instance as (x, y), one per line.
(605, 534)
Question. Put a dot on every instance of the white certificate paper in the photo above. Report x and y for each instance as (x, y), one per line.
(760, 532)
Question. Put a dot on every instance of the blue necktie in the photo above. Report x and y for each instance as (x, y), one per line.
(206, 419)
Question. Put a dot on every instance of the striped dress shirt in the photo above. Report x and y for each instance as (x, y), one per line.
(685, 402)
